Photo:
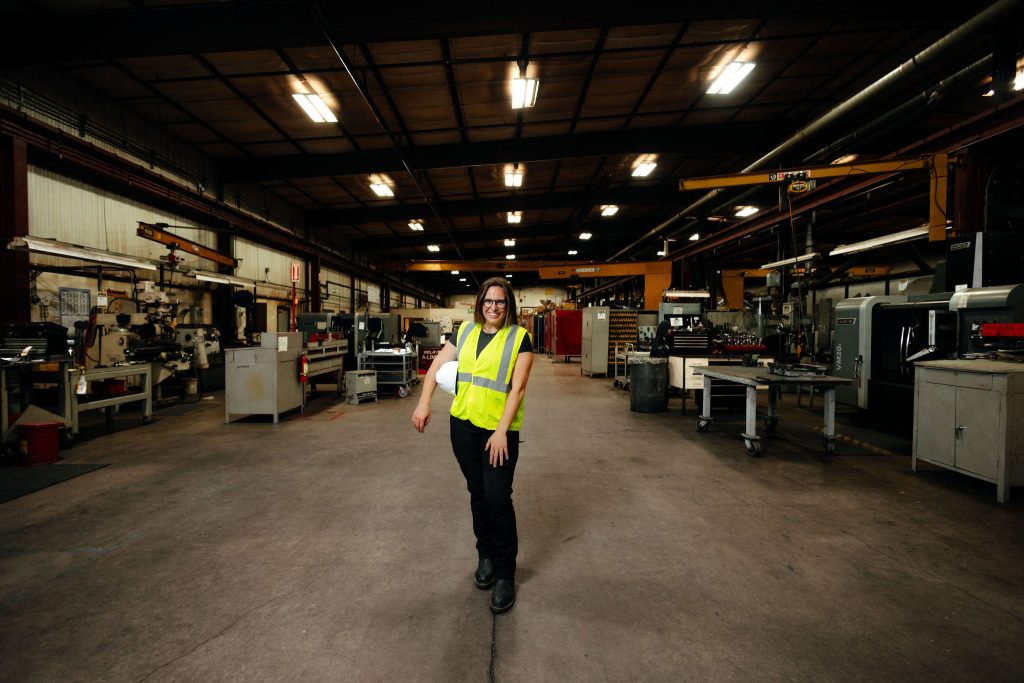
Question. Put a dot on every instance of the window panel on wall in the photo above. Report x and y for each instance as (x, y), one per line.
(373, 297)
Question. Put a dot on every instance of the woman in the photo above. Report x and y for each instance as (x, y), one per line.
(495, 356)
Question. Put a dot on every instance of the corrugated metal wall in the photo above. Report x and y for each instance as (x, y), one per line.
(338, 288)
(269, 267)
(71, 211)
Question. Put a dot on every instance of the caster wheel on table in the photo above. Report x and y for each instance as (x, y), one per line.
(703, 425)
(770, 424)
(403, 391)
(830, 446)
(754, 448)
(615, 384)
(147, 419)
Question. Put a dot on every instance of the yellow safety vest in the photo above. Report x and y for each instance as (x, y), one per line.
(483, 383)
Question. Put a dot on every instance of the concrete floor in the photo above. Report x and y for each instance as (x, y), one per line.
(337, 546)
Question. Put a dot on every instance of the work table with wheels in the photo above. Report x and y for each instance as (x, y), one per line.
(754, 378)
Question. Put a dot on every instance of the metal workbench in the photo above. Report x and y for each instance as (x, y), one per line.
(326, 357)
(74, 404)
(752, 379)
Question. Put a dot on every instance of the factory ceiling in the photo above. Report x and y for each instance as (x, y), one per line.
(421, 93)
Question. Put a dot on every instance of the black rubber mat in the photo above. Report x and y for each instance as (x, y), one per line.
(20, 481)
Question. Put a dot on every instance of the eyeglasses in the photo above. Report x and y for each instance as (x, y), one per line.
(495, 303)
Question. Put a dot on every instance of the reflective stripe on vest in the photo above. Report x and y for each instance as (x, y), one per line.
(498, 383)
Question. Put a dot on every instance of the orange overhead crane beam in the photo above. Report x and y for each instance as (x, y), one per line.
(657, 274)
(151, 232)
(936, 164)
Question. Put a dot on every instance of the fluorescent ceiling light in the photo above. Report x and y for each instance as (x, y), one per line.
(381, 186)
(661, 253)
(790, 261)
(510, 243)
(510, 257)
(585, 235)
(730, 77)
(462, 279)
(433, 247)
(644, 164)
(416, 225)
(609, 210)
(1018, 81)
(315, 107)
(694, 237)
(745, 211)
(508, 276)
(524, 92)
(222, 278)
(573, 252)
(455, 272)
(514, 216)
(845, 159)
(57, 248)
(513, 176)
(894, 238)
(686, 294)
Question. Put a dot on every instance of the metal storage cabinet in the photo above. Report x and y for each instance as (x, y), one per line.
(263, 380)
(969, 417)
(594, 345)
(565, 333)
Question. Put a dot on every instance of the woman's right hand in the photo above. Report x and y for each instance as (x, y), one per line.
(420, 417)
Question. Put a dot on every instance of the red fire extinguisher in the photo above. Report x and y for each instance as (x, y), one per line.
(304, 368)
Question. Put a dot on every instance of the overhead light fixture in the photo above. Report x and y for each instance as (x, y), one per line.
(513, 176)
(730, 77)
(508, 275)
(524, 91)
(514, 216)
(222, 278)
(573, 252)
(1018, 81)
(686, 294)
(644, 165)
(609, 210)
(661, 253)
(315, 107)
(510, 257)
(510, 243)
(416, 225)
(433, 247)
(585, 235)
(894, 238)
(455, 272)
(845, 159)
(744, 211)
(462, 279)
(381, 186)
(790, 261)
(694, 237)
(57, 248)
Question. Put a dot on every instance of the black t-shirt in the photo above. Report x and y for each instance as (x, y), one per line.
(525, 347)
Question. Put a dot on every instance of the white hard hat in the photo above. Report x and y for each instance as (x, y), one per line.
(446, 375)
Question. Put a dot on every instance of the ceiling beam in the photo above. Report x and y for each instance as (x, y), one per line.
(660, 195)
(232, 27)
(731, 138)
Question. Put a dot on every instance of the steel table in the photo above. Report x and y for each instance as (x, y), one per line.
(754, 377)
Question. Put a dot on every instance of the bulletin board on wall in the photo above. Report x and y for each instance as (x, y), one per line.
(74, 306)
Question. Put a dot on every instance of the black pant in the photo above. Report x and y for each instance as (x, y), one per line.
(490, 494)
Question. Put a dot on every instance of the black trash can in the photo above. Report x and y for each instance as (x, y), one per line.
(648, 384)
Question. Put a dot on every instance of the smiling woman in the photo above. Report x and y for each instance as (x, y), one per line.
(494, 358)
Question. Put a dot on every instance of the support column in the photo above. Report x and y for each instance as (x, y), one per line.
(223, 305)
(313, 284)
(14, 265)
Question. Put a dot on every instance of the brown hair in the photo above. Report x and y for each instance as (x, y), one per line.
(511, 315)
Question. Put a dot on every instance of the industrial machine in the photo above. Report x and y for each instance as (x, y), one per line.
(202, 343)
(988, 305)
(684, 314)
(851, 352)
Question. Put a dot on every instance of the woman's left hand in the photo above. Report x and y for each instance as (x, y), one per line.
(497, 448)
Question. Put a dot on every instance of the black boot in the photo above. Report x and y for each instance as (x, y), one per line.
(484, 577)
(504, 595)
